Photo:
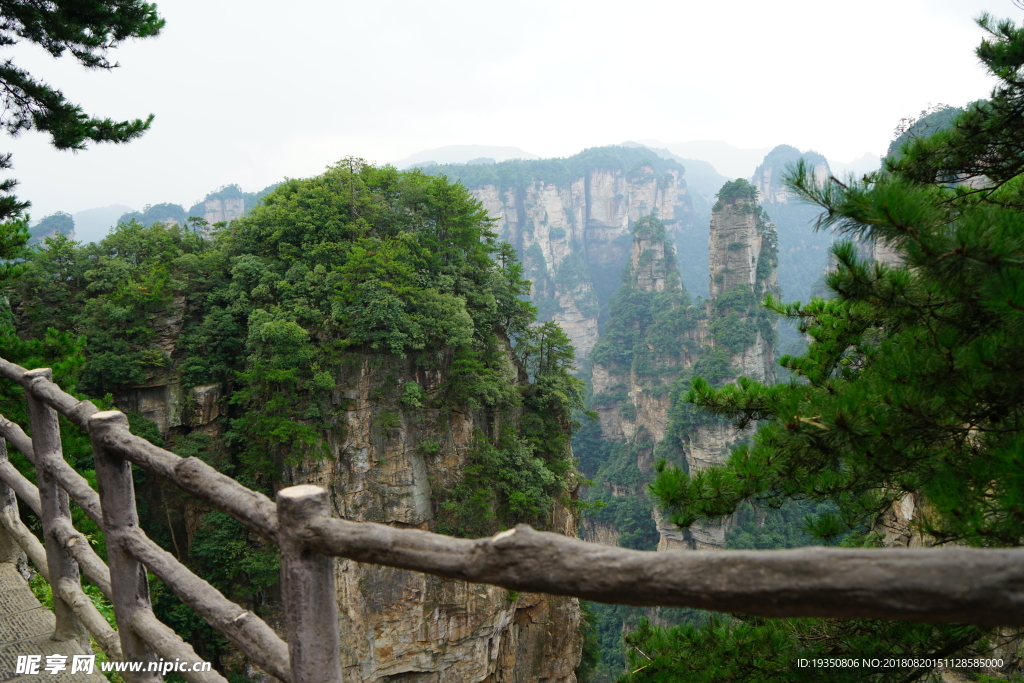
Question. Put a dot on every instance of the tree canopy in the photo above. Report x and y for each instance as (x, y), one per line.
(87, 30)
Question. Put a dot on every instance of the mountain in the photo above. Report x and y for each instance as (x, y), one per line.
(866, 163)
(59, 223)
(570, 221)
(803, 250)
(347, 338)
(92, 225)
(732, 161)
(461, 154)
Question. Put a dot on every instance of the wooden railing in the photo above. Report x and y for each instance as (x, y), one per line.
(966, 585)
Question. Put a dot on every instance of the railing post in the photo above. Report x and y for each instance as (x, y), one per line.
(127, 575)
(54, 502)
(307, 589)
(10, 551)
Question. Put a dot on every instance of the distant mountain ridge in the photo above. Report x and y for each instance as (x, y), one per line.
(462, 154)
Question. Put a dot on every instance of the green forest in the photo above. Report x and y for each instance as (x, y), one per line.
(278, 307)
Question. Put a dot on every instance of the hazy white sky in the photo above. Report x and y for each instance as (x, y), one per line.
(250, 92)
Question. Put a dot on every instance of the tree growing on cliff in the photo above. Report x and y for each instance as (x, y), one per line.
(86, 29)
(911, 384)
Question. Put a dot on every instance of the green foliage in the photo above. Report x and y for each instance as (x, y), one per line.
(738, 192)
(59, 222)
(631, 515)
(910, 384)
(229, 560)
(930, 121)
(590, 448)
(160, 213)
(41, 590)
(733, 333)
(572, 272)
(784, 526)
(112, 293)
(754, 650)
(139, 425)
(518, 172)
(645, 328)
(274, 308)
(714, 365)
(520, 476)
(590, 656)
(86, 29)
(413, 395)
(502, 485)
(14, 235)
(981, 149)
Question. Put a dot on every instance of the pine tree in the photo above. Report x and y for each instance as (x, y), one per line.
(911, 383)
(87, 29)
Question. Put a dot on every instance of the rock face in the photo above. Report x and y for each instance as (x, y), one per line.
(570, 221)
(743, 252)
(768, 177)
(654, 338)
(224, 209)
(645, 382)
(387, 465)
(743, 255)
(803, 249)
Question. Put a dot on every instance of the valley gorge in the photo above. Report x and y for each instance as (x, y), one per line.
(601, 237)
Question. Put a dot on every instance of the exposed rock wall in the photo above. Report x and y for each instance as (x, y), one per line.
(803, 249)
(739, 240)
(633, 401)
(652, 269)
(734, 246)
(743, 258)
(574, 234)
(398, 625)
(223, 209)
(768, 176)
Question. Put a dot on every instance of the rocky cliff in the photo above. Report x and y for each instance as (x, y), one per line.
(223, 209)
(631, 385)
(570, 221)
(768, 176)
(803, 251)
(410, 404)
(59, 223)
(743, 253)
(390, 464)
(653, 334)
(655, 341)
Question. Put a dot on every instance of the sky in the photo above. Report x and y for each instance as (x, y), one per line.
(252, 92)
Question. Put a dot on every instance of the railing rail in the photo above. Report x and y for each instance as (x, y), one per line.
(141, 636)
(980, 586)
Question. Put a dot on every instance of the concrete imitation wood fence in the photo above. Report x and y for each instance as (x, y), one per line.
(980, 586)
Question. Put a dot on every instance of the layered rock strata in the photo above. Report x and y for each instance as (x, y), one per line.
(224, 209)
(571, 225)
(633, 401)
(742, 251)
(388, 465)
